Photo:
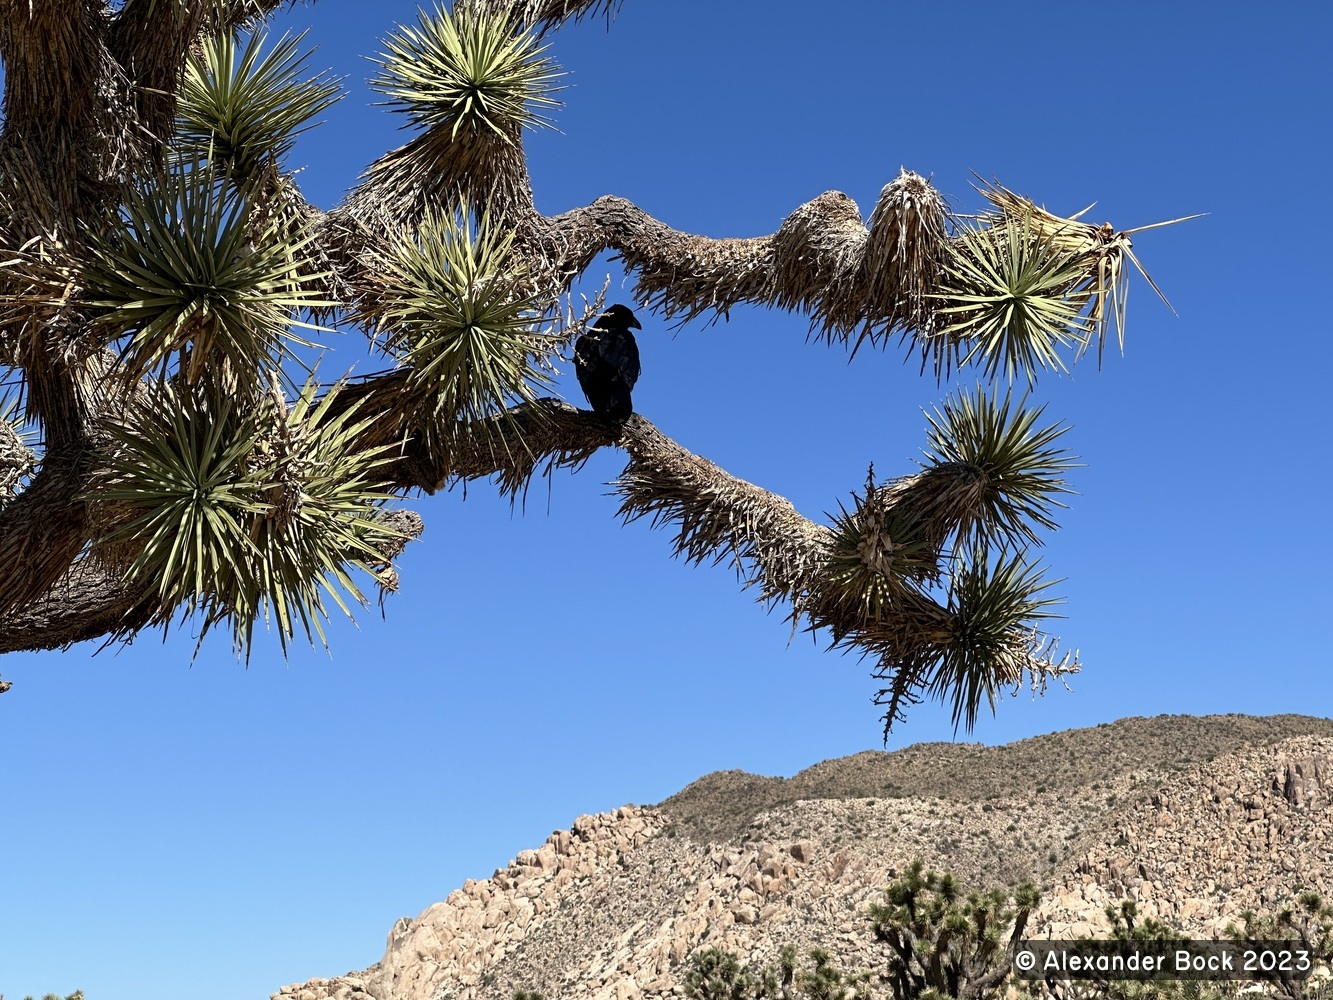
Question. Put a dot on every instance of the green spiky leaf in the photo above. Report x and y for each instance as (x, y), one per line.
(240, 515)
(1014, 299)
(184, 277)
(179, 465)
(878, 549)
(454, 308)
(242, 108)
(468, 71)
(994, 644)
(1015, 471)
(324, 495)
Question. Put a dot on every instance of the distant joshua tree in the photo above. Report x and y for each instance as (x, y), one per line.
(162, 460)
(943, 943)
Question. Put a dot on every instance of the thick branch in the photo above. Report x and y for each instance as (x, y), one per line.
(151, 45)
(720, 516)
(43, 528)
(509, 445)
(737, 269)
(437, 172)
(823, 260)
(853, 280)
(88, 602)
(53, 60)
(58, 82)
(720, 513)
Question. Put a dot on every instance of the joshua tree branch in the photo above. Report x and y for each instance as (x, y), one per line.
(151, 45)
(851, 277)
(87, 602)
(52, 56)
(56, 88)
(43, 528)
(720, 516)
(719, 513)
(823, 260)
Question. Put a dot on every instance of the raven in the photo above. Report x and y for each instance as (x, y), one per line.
(606, 360)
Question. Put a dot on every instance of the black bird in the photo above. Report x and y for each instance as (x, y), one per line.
(606, 360)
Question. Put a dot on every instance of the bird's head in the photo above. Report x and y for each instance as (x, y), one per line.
(618, 317)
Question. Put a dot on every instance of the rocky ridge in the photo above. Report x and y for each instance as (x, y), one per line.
(1246, 832)
(610, 909)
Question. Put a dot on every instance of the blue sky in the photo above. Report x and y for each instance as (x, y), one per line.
(206, 831)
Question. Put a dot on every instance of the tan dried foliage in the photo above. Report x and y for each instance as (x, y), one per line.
(720, 517)
(546, 14)
(855, 282)
(1104, 248)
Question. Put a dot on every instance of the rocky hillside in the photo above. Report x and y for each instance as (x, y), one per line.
(1194, 818)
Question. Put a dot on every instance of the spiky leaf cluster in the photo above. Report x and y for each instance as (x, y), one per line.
(879, 552)
(242, 108)
(981, 640)
(189, 277)
(1013, 298)
(1101, 251)
(451, 304)
(1010, 463)
(468, 71)
(993, 643)
(323, 494)
(241, 514)
(180, 470)
(927, 573)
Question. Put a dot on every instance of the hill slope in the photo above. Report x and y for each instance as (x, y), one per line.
(1195, 818)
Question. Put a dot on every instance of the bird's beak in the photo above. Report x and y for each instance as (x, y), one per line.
(634, 322)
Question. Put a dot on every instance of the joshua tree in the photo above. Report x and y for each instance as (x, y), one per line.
(945, 944)
(161, 461)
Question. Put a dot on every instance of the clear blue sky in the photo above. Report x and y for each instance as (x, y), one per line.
(209, 832)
